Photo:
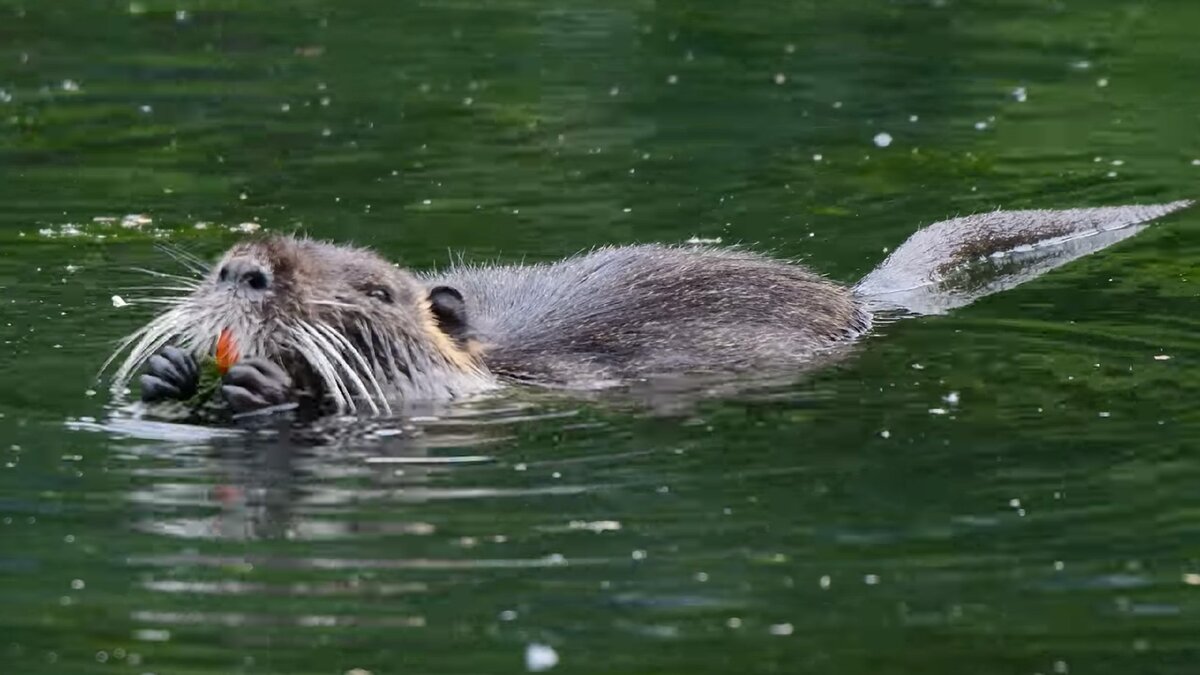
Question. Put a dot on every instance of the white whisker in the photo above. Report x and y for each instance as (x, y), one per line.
(332, 303)
(186, 260)
(156, 301)
(180, 289)
(311, 352)
(332, 351)
(166, 275)
(367, 370)
(379, 346)
(154, 336)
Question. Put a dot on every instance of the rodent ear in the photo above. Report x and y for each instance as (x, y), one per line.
(449, 310)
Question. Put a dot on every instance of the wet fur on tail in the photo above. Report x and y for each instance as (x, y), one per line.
(955, 262)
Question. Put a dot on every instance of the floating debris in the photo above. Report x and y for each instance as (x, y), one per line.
(883, 139)
(1020, 94)
(119, 302)
(135, 220)
(64, 230)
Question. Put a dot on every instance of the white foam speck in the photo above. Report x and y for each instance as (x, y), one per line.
(1020, 94)
(152, 635)
(883, 139)
(539, 658)
(118, 301)
(595, 525)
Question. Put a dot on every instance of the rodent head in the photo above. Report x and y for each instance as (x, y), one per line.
(343, 321)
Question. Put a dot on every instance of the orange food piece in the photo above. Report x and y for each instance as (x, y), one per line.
(227, 353)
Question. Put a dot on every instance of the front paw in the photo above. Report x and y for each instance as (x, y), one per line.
(254, 384)
(171, 375)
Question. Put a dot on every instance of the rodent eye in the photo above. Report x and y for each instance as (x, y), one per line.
(381, 294)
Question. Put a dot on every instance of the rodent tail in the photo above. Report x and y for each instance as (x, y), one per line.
(954, 262)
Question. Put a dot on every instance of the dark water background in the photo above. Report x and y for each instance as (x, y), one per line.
(1046, 522)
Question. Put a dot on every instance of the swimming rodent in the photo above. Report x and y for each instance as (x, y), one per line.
(343, 329)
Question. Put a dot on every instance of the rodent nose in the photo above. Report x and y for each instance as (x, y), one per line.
(245, 272)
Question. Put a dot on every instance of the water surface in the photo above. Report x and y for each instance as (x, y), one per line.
(1008, 489)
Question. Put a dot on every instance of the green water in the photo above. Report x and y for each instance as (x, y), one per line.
(1045, 522)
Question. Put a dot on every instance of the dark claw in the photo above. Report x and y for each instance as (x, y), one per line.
(183, 361)
(164, 369)
(252, 384)
(242, 400)
(171, 374)
(156, 389)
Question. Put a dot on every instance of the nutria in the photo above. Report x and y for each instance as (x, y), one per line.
(342, 328)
